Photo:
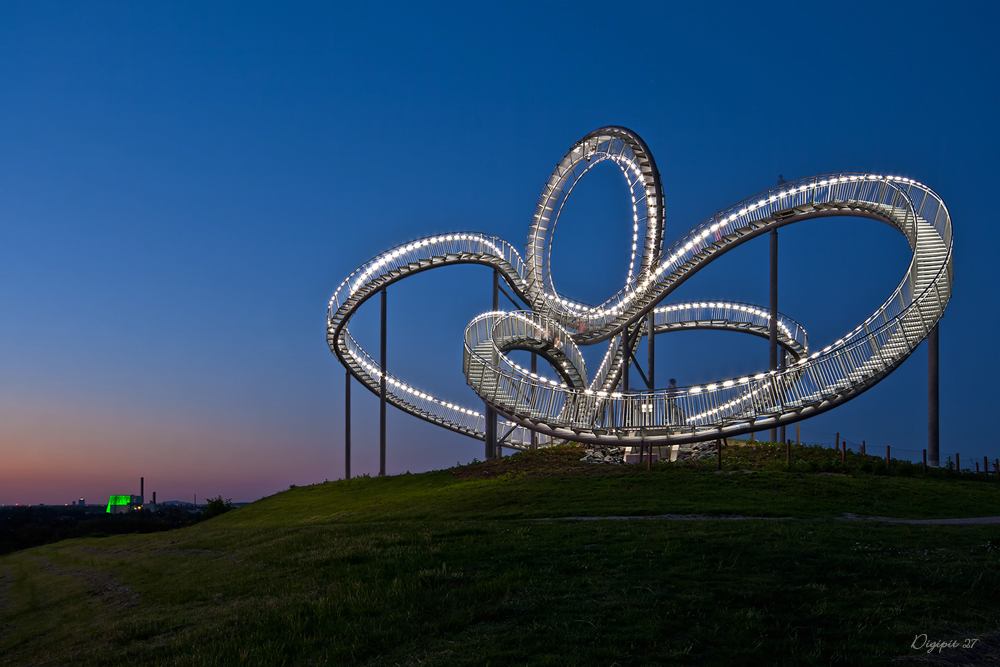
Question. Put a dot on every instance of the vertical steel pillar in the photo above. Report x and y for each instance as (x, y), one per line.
(781, 437)
(534, 370)
(773, 343)
(933, 433)
(497, 450)
(627, 351)
(347, 425)
(491, 415)
(382, 394)
(651, 362)
(490, 433)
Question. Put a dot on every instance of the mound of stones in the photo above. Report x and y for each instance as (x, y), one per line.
(689, 452)
(605, 455)
(697, 451)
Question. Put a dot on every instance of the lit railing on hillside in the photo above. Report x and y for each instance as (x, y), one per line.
(570, 406)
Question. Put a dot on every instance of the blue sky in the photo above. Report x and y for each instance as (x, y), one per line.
(183, 187)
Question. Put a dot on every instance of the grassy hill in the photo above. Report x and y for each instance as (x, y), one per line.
(455, 567)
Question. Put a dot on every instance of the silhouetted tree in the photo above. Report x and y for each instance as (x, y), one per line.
(216, 506)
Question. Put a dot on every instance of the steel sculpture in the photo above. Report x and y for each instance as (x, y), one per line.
(589, 407)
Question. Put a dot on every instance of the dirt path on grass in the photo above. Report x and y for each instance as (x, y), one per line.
(5, 579)
(709, 517)
(887, 519)
(670, 517)
(98, 583)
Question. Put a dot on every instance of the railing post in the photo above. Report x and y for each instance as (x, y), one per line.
(347, 424)
(382, 393)
(773, 333)
(933, 431)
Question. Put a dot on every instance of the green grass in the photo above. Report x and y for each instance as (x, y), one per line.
(452, 567)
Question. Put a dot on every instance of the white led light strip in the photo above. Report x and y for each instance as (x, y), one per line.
(596, 411)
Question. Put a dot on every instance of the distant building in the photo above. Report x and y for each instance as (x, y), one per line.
(123, 504)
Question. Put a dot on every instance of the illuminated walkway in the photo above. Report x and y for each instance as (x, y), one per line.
(571, 404)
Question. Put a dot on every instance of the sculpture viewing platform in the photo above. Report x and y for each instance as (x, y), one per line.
(575, 403)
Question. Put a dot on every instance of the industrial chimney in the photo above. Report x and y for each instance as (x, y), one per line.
(142, 490)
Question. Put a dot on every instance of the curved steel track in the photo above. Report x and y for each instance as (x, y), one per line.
(574, 406)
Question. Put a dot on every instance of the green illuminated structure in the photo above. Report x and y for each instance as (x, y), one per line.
(119, 504)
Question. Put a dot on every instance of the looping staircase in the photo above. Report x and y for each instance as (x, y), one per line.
(573, 406)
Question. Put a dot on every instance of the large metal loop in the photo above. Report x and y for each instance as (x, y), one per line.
(630, 154)
(573, 406)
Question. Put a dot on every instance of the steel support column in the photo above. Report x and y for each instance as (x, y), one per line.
(534, 371)
(651, 353)
(773, 338)
(347, 425)
(784, 360)
(496, 289)
(382, 393)
(628, 362)
(933, 433)
(491, 432)
(492, 450)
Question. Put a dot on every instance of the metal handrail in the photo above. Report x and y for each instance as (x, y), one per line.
(830, 376)
(593, 411)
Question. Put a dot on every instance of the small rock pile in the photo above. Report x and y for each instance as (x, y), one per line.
(697, 451)
(606, 455)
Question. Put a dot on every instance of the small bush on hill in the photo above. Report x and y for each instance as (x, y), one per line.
(216, 506)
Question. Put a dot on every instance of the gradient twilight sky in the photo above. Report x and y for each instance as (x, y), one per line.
(183, 186)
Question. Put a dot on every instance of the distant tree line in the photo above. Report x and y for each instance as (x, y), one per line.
(25, 527)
